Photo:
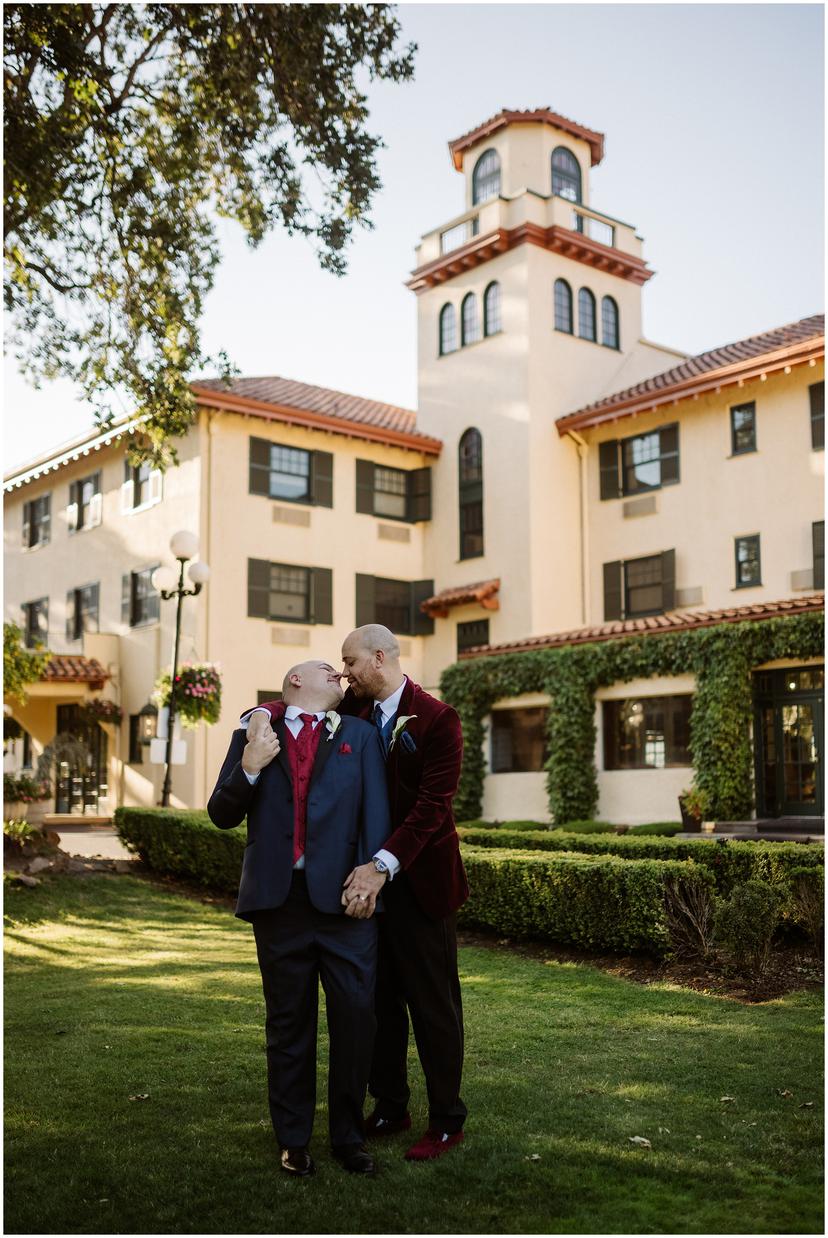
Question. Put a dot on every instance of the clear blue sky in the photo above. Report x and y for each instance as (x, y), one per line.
(713, 116)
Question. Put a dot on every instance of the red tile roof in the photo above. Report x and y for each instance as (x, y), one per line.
(484, 591)
(793, 344)
(544, 115)
(74, 668)
(302, 403)
(674, 621)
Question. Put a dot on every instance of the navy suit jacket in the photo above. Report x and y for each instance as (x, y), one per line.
(348, 817)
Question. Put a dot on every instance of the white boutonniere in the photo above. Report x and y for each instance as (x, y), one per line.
(399, 727)
(333, 722)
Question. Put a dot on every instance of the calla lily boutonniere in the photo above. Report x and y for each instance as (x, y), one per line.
(399, 727)
(333, 722)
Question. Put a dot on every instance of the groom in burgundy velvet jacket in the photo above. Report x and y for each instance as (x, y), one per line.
(421, 874)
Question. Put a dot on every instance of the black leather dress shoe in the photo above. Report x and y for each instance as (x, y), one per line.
(356, 1158)
(297, 1161)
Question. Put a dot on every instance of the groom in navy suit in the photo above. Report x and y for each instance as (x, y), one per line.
(314, 813)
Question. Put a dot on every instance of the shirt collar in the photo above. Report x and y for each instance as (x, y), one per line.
(293, 711)
(392, 703)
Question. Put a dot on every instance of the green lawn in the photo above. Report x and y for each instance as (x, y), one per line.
(116, 988)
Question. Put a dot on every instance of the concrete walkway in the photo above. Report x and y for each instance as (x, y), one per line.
(92, 840)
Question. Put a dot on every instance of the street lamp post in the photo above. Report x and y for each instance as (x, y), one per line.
(184, 546)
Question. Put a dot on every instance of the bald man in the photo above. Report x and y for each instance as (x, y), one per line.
(423, 883)
(313, 790)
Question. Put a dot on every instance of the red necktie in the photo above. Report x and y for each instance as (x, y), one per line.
(304, 745)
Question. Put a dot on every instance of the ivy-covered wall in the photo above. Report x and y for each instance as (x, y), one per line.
(722, 659)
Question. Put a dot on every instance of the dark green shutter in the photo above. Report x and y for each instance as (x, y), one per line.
(258, 588)
(321, 479)
(421, 625)
(816, 394)
(365, 488)
(418, 495)
(321, 599)
(613, 592)
(27, 524)
(365, 599)
(668, 580)
(669, 451)
(71, 599)
(818, 537)
(126, 598)
(608, 464)
(259, 466)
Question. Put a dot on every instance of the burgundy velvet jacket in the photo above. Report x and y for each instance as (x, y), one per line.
(421, 786)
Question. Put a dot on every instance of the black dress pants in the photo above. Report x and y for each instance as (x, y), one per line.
(417, 975)
(298, 946)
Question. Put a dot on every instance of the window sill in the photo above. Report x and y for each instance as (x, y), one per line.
(471, 344)
(275, 498)
(133, 511)
(27, 550)
(749, 451)
(87, 528)
(754, 584)
(145, 623)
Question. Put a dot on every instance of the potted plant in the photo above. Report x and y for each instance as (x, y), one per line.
(100, 710)
(19, 792)
(197, 693)
(694, 805)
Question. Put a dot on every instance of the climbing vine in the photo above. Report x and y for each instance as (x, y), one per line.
(721, 658)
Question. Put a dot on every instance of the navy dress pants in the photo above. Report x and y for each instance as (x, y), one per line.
(298, 946)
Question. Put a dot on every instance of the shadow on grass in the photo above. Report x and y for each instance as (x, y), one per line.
(118, 990)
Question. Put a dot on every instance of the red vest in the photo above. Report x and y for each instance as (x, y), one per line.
(301, 757)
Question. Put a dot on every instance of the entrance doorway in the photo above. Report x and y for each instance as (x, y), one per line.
(81, 781)
(788, 741)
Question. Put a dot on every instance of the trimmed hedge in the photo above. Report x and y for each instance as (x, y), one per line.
(587, 827)
(598, 902)
(184, 843)
(664, 829)
(731, 862)
(478, 824)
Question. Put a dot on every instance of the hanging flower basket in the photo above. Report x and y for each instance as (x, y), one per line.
(197, 692)
(99, 710)
(23, 789)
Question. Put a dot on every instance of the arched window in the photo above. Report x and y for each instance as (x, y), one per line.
(470, 326)
(566, 174)
(563, 306)
(486, 177)
(491, 310)
(448, 330)
(470, 477)
(609, 323)
(586, 314)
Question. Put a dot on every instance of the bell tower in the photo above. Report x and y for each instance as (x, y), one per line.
(529, 306)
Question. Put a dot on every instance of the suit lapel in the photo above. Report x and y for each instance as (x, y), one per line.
(282, 758)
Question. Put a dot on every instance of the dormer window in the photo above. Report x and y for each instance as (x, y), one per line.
(486, 177)
(566, 174)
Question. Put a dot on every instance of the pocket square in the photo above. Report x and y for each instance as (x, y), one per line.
(407, 742)
(345, 749)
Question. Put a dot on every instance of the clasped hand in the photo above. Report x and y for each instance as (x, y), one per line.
(262, 745)
(359, 893)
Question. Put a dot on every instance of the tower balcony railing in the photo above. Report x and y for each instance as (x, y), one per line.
(527, 207)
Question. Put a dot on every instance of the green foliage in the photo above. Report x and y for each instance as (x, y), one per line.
(184, 843)
(721, 658)
(588, 827)
(20, 666)
(19, 830)
(730, 862)
(128, 128)
(745, 923)
(506, 825)
(664, 829)
(602, 903)
(23, 789)
(807, 902)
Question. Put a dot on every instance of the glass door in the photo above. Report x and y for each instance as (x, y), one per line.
(788, 742)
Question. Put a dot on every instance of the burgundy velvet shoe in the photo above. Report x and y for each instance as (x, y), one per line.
(433, 1144)
(375, 1125)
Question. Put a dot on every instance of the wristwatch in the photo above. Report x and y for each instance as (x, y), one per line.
(380, 865)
